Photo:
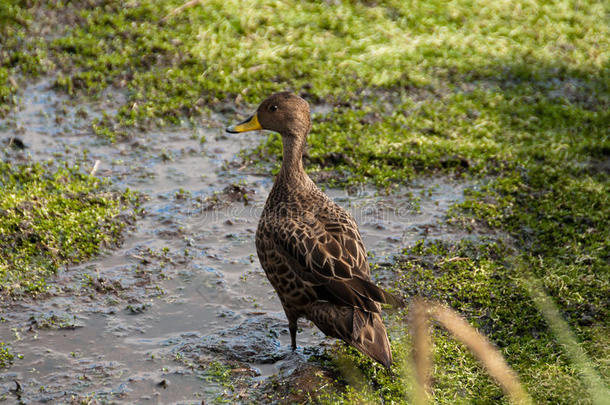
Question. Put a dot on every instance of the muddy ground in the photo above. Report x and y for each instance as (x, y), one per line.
(181, 312)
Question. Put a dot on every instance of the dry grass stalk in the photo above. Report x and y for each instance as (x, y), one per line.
(422, 350)
(183, 7)
(483, 350)
(96, 166)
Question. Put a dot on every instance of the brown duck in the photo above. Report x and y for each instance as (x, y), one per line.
(310, 248)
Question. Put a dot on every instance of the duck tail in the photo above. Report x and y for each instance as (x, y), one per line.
(370, 337)
(362, 329)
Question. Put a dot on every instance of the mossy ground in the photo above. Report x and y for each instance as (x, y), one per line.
(490, 289)
(517, 93)
(52, 217)
(6, 357)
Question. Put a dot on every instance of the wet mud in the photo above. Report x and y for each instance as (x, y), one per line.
(181, 312)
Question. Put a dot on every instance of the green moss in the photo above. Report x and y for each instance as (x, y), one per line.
(479, 132)
(6, 357)
(52, 217)
(19, 54)
(486, 287)
(338, 51)
(7, 89)
(557, 217)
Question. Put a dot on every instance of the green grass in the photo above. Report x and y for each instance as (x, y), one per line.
(53, 217)
(482, 132)
(337, 52)
(513, 93)
(6, 356)
(492, 291)
(21, 53)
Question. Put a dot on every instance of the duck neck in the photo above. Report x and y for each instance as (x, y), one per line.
(292, 171)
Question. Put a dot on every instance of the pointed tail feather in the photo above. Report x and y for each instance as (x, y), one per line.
(370, 337)
(362, 329)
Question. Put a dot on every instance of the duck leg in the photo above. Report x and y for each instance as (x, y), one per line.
(292, 326)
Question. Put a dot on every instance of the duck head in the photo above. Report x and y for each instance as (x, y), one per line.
(284, 112)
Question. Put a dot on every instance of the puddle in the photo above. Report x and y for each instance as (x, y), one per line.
(142, 323)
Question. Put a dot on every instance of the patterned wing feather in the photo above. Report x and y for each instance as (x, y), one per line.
(330, 252)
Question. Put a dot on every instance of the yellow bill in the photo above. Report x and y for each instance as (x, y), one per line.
(249, 124)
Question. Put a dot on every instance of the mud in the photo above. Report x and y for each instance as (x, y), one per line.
(182, 311)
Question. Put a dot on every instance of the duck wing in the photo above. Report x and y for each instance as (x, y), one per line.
(327, 245)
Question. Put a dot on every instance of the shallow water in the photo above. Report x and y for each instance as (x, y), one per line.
(141, 323)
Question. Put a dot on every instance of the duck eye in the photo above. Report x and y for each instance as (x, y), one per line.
(272, 108)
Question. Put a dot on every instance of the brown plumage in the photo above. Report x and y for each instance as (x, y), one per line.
(310, 248)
